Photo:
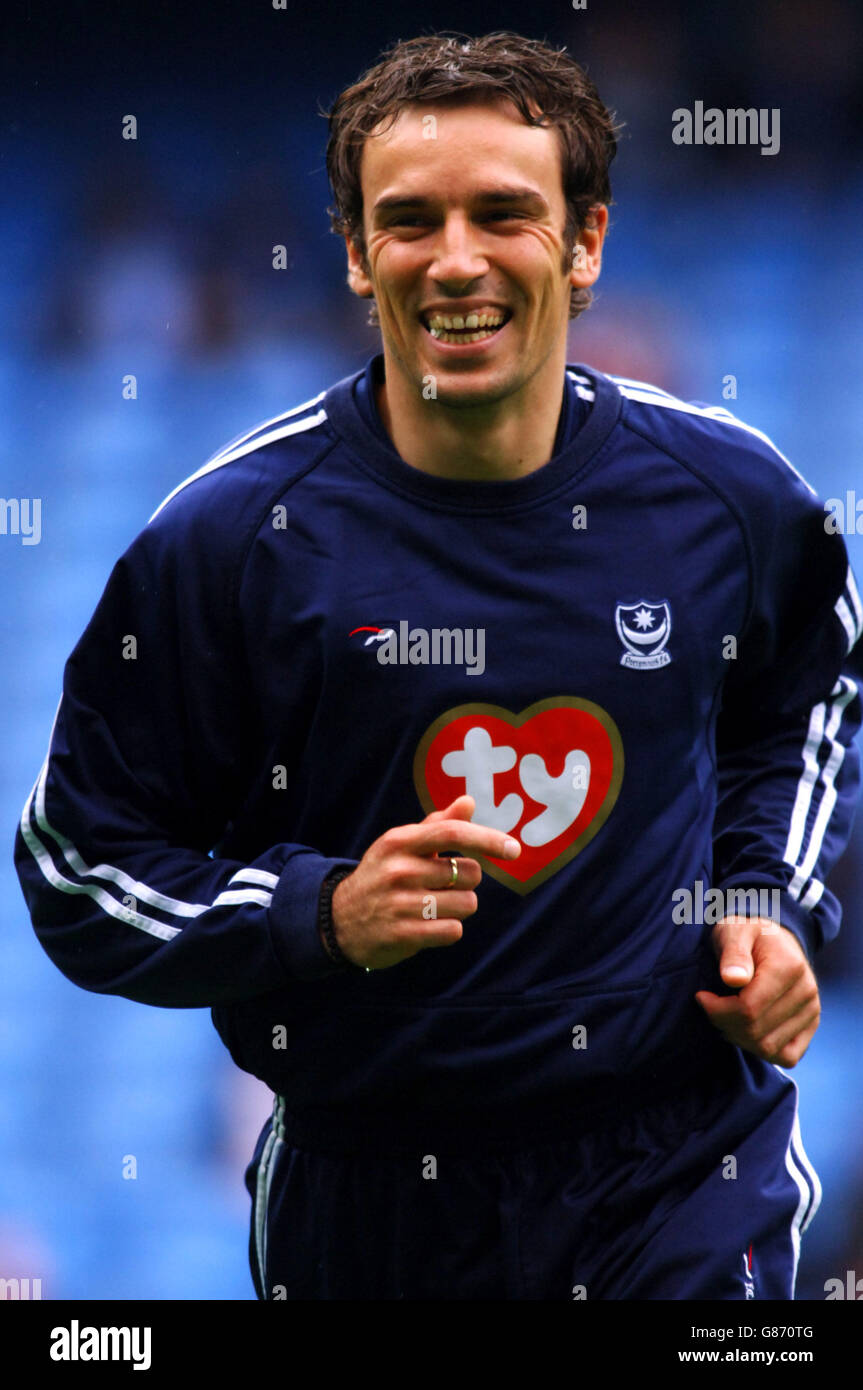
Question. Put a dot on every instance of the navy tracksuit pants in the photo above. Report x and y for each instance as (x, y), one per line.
(700, 1197)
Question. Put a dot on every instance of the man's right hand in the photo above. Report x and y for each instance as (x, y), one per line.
(397, 901)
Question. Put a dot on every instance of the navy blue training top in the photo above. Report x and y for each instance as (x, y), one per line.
(640, 659)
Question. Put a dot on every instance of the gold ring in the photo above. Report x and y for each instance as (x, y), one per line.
(454, 880)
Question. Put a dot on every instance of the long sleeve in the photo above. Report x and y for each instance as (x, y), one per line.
(788, 770)
(150, 758)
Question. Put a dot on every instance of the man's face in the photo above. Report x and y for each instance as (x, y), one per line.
(463, 212)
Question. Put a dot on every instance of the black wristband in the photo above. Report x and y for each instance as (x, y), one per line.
(325, 918)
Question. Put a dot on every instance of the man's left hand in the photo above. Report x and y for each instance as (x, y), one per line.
(777, 1010)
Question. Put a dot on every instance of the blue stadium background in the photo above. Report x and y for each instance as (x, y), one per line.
(154, 258)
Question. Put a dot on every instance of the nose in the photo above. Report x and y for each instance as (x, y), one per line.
(458, 252)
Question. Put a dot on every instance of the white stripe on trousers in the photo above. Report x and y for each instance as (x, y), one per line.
(269, 1158)
(799, 1167)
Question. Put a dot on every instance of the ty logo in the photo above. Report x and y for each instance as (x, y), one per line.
(549, 776)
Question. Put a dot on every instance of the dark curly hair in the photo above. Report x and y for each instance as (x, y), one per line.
(545, 84)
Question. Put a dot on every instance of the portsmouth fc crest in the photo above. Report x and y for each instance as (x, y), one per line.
(644, 629)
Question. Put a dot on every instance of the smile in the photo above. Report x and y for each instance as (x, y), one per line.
(459, 329)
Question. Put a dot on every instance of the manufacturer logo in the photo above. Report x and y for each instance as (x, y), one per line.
(403, 645)
(644, 629)
(748, 1281)
(373, 635)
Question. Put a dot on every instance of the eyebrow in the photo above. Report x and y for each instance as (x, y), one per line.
(489, 196)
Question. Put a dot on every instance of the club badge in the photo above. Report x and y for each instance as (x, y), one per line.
(644, 629)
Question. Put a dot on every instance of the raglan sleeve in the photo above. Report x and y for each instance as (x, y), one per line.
(788, 767)
(148, 762)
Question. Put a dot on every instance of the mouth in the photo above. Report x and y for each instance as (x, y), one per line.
(460, 330)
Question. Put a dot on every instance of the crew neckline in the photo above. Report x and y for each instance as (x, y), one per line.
(377, 455)
(366, 389)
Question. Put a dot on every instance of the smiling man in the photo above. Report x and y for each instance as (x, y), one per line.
(465, 248)
(435, 903)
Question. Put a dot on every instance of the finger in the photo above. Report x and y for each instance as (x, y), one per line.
(798, 1000)
(424, 904)
(451, 932)
(758, 1015)
(770, 1043)
(733, 940)
(451, 903)
(468, 873)
(463, 836)
(791, 1053)
(786, 1053)
(778, 987)
(804, 1024)
(430, 875)
(735, 968)
(420, 935)
(410, 941)
(718, 1007)
(731, 1028)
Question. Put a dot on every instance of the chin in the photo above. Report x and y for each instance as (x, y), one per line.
(480, 388)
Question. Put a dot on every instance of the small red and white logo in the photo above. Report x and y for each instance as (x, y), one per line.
(373, 635)
(748, 1280)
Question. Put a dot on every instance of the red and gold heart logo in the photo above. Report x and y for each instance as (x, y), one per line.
(548, 776)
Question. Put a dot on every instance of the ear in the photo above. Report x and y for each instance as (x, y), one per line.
(358, 280)
(587, 253)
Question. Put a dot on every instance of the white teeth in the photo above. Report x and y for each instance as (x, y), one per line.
(445, 337)
(476, 318)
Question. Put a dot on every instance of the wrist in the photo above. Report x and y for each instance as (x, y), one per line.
(326, 926)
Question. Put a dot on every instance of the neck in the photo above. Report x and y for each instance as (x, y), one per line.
(490, 442)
